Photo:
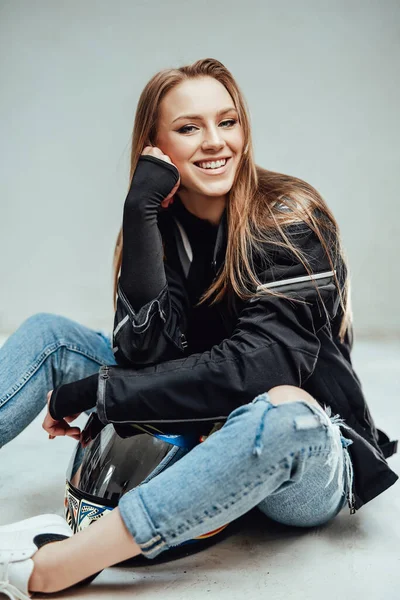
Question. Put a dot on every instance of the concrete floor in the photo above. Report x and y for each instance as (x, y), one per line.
(352, 557)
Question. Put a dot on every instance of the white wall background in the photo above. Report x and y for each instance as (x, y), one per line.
(321, 79)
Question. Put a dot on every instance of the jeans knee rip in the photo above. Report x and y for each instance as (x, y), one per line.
(307, 422)
(313, 420)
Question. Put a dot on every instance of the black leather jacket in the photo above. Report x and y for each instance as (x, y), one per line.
(176, 376)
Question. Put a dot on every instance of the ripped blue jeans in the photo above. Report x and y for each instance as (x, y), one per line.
(290, 460)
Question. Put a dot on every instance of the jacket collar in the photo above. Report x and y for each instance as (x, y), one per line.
(186, 224)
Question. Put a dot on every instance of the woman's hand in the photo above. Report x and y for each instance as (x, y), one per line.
(56, 428)
(157, 153)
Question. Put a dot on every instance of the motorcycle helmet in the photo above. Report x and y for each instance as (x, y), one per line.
(106, 464)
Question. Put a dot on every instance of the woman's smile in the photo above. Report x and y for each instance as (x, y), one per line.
(214, 171)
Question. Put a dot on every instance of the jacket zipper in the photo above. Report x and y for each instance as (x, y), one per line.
(101, 404)
(221, 318)
(351, 502)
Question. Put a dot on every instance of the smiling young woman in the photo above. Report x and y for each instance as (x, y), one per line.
(198, 125)
(232, 321)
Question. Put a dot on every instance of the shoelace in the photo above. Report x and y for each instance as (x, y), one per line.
(8, 588)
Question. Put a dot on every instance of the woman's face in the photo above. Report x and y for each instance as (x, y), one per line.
(210, 132)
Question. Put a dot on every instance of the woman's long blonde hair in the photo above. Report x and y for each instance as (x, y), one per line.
(254, 209)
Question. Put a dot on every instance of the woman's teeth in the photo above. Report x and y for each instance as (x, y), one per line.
(211, 165)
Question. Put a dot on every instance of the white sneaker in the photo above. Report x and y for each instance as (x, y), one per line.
(18, 543)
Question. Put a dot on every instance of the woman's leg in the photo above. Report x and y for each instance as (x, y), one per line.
(280, 507)
(264, 450)
(44, 352)
(105, 543)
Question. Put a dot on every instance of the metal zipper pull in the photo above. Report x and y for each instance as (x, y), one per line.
(104, 372)
(184, 341)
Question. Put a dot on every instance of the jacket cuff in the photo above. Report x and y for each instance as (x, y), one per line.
(72, 398)
(52, 404)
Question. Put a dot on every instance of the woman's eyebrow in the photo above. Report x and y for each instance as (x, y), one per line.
(219, 113)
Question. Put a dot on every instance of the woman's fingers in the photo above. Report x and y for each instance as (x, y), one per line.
(157, 152)
(71, 418)
(73, 432)
(48, 423)
(60, 429)
(57, 428)
(170, 198)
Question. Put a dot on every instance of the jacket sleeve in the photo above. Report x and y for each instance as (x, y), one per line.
(151, 299)
(156, 331)
(274, 342)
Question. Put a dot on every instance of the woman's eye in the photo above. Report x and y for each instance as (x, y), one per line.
(233, 121)
(186, 128)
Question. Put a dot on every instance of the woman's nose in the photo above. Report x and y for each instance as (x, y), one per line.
(214, 140)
